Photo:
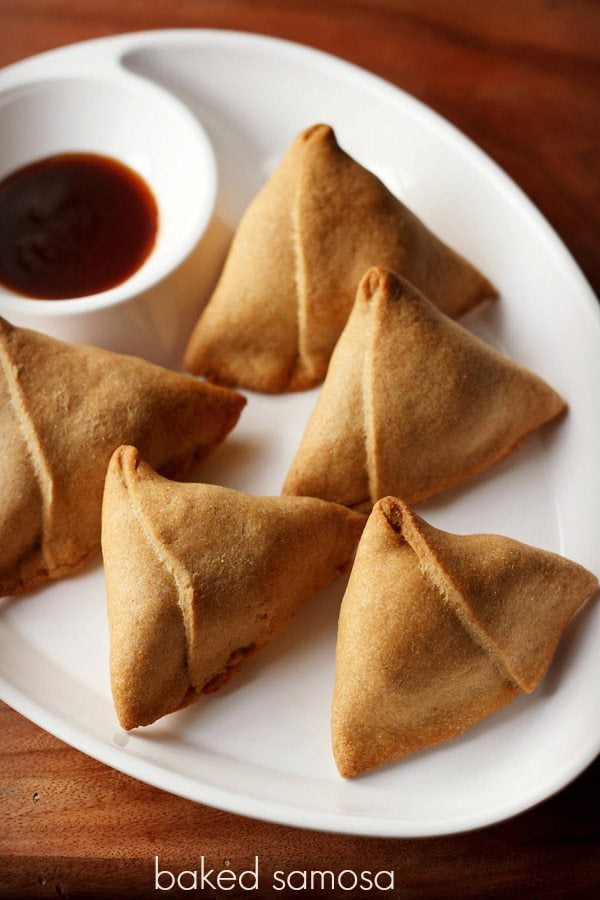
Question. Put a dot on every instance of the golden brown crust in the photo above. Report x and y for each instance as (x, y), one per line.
(291, 275)
(63, 410)
(200, 578)
(438, 630)
(412, 404)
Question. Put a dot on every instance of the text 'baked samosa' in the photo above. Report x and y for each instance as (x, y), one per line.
(438, 630)
(412, 404)
(199, 578)
(63, 410)
(291, 275)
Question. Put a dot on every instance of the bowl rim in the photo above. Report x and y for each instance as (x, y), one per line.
(143, 279)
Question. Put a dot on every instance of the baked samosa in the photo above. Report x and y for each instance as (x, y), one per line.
(63, 410)
(437, 630)
(293, 268)
(200, 578)
(412, 403)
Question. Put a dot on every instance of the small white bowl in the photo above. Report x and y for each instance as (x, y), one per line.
(120, 115)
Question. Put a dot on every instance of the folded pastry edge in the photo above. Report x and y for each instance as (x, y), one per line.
(48, 567)
(309, 370)
(406, 523)
(375, 284)
(124, 464)
(378, 285)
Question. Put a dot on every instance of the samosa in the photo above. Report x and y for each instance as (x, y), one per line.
(438, 630)
(200, 578)
(63, 410)
(413, 403)
(293, 268)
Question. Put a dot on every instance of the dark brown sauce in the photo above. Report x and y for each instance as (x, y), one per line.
(73, 224)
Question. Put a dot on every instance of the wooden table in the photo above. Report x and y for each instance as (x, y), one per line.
(519, 77)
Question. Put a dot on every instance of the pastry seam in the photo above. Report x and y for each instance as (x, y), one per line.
(451, 594)
(34, 448)
(367, 379)
(299, 279)
(183, 585)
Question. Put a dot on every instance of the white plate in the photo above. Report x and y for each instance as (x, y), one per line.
(261, 747)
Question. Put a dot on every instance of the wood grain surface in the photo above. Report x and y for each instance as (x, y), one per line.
(519, 77)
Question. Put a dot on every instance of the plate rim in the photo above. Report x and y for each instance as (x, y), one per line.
(152, 773)
(80, 738)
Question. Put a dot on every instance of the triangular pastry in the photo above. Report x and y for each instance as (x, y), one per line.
(438, 630)
(291, 275)
(63, 410)
(199, 578)
(412, 403)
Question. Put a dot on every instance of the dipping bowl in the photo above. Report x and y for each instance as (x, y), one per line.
(115, 113)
